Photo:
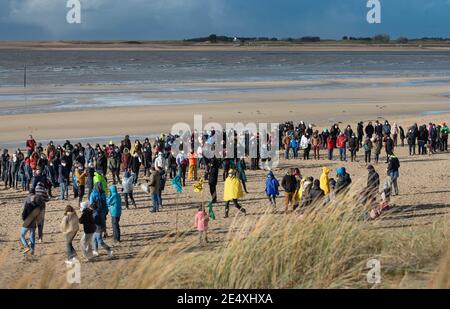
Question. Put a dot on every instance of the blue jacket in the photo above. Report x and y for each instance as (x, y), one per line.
(294, 144)
(114, 202)
(272, 185)
(98, 199)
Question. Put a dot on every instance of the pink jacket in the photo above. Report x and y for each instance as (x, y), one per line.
(201, 221)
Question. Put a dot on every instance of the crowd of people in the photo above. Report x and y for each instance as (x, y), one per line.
(371, 139)
(86, 169)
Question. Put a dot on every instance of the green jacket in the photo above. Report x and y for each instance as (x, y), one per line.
(99, 178)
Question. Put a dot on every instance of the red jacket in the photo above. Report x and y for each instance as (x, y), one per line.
(34, 160)
(341, 140)
(330, 143)
(31, 143)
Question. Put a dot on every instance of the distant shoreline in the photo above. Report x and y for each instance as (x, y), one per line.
(344, 46)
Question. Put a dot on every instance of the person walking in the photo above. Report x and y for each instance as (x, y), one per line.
(289, 184)
(232, 192)
(87, 220)
(69, 228)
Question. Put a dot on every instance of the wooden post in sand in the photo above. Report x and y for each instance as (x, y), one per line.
(25, 76)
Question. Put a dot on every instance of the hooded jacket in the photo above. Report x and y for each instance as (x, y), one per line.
(324, 180)
(99, 178)
(127, 183)
(31, 210)
(69, 224)
(289, 183)
(114, 202)
(98, 199)
(154, 182)
(87, 219)
(272, 185)
(233, 188)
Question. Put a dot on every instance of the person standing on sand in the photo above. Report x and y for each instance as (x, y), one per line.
(153, 185)
(378, 141)
(147, 156)
(192, 169)
(272, 186)
(286, 145)
(114, 202)
(241, 167)
(353, 147)
(135, 165)
(127, 188)
(4, 164)
(360, 133)
(30, 145)
(367, 150)
(80, 175)
(126, 159)
(114, 164)
(330, 147)
(325, 180)
(341, 144)
(87, 220)
(305, 144)
(289, 184)
(388, 146)
(402, 135)
(316, 142)
(69, 228)
(182, 163)
(444, 136)
(213, 176)
(98, 203)
(232, 192)
(63, 180)
(393, 171)
(100, 178)
(201, 224)
(394, 134)
(411, 142)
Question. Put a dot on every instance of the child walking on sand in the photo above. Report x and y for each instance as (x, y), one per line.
(201, 224)
(272, 186)
(69, 228)
(87, 220)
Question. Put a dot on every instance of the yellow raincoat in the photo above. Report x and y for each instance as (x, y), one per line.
(299, 192)
(233, 189)
(324, 180)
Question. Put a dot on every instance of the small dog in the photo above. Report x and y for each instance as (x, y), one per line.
(429, 149)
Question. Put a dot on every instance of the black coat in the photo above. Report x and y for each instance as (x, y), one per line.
(87, 219)
(289, 183)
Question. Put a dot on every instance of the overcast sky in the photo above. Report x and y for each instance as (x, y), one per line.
(180, 19)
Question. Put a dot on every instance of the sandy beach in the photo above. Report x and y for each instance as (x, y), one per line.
(423, 200)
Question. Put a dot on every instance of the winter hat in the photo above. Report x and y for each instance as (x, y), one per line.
(341, 171)
(83, 206)
(40, 189)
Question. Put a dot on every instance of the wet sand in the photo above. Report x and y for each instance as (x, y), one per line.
(368, 99)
